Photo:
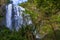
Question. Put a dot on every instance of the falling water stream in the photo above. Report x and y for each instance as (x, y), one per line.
(14, 16)
(8, 15)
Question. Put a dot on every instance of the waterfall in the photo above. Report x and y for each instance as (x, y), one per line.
(14, 16)
(8, 15)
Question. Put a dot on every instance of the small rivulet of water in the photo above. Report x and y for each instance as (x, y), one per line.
(14, 16)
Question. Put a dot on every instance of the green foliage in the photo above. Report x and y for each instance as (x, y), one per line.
(32, 14)
(48, 4)
(8, 1)
(50, 7)
(6, 34)
(46, 17)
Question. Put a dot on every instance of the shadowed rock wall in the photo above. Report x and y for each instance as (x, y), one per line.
(2, 11)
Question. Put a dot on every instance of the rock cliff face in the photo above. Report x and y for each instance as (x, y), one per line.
(2, 2)
(2, 6)
(2, 10)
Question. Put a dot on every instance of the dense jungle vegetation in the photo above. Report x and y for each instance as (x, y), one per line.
(45, 15)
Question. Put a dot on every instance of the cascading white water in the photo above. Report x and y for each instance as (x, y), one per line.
(8, 15)
(14, 18)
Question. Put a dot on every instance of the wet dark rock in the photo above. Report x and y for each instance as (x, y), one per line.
(2, 15)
